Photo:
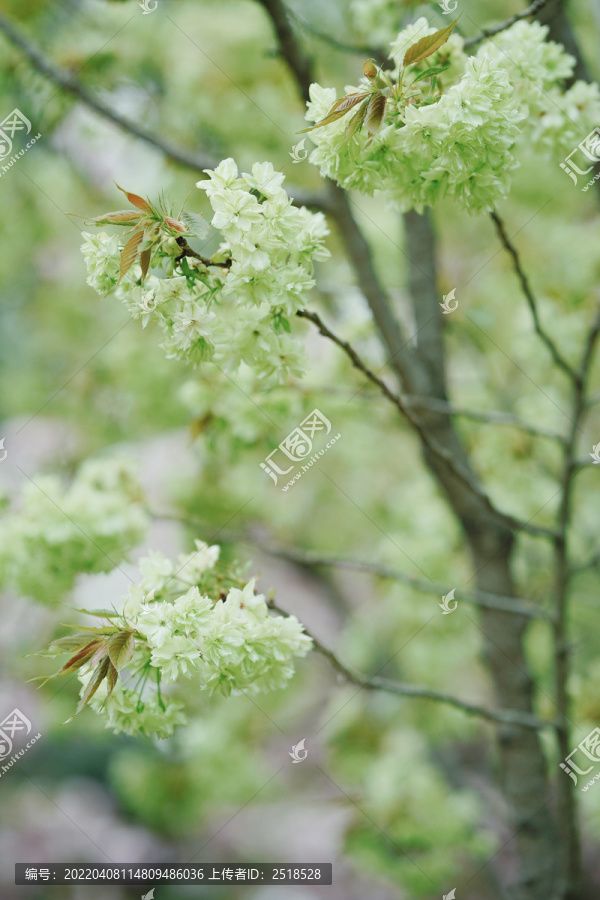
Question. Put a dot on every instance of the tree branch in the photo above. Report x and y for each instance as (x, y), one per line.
(532, 10)
(375, 683)
(440, 452)
(529, 296)
(483, 415)
(68, 82)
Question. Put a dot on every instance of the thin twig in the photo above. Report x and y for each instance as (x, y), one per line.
(494, 417)
(532, 10)
(186, 250)
(376, 53)
(440, 452)
(529, 296)
(478, 598)
(375, 683)
(67, 81)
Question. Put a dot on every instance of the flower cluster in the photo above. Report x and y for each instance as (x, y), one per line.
(188, 619)
(464, 145)
(58, 532)
(232, 309)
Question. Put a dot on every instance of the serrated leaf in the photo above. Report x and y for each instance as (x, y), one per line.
(130, 252)
(357, 120)
(96, 680)
(431, 73)
(339, 109)
(375, 113)
(120, 648)
(145, 257)
(136, 200)
(195, 224)
(106, 629)
(428, 45)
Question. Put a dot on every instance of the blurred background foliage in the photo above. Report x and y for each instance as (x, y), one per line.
(385, 777)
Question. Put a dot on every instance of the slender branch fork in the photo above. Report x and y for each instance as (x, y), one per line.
(529, 296)
(441, 452)
(375, 683)
(532, 10)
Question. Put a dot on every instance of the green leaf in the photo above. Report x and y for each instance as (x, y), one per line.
(428, 45)
(120, 648)
(100, 613)
(195, 224)
(130, 252)
(431, 73)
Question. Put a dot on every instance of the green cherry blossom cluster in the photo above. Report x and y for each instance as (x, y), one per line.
(60, 531)
(454, 125)
(189, 619)
(233, 308)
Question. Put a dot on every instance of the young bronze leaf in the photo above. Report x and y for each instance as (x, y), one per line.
(431, 73)
(120, 217)
(339, 109)
(120, 648)
(80, 658)
(145, 262)
(100, 673)
(137, 200)
(356, 121)
(175, 224)
(369, 69)
(130, 252)
(111, 680)
(375, 113)
(428, 45)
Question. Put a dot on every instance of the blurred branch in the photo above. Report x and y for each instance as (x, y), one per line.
(64, 79)
(529, 296)
(478, 598)
(484, 415)
(532, 10)
(376, 53)
(440, 452)
(566, 804)
(68, 82)
(375, 683)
